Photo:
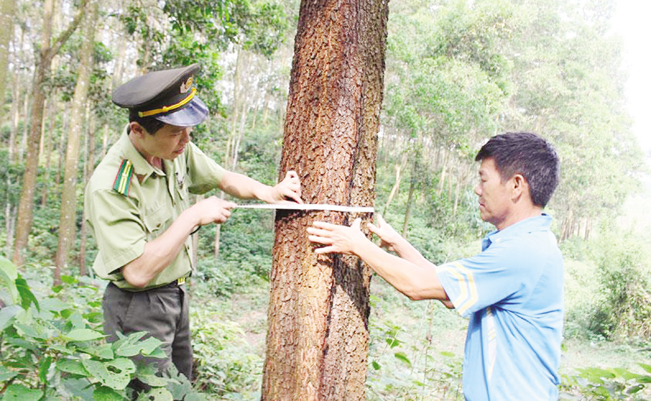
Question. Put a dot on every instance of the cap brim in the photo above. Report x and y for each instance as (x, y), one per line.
(189, 116)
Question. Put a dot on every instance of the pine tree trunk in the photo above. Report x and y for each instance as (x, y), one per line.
(317, 343)
(69, 194)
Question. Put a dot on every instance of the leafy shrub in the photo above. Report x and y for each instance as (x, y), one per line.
(53, 349)
(624, 270)
(609, 384)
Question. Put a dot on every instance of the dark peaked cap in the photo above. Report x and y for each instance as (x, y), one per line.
(167, 96)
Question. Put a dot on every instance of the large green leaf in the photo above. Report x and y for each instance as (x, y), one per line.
(79, 387)
(26, 296)
(7, 315)
(104, 351)
(6, 374)
(133, 347)
(153, 380)
(54, 305)
(44, 367)
(83, 335)
(18, 392)
(114, 374)
(73, 366)
(106, 394)
(8, 275)
(157, 394)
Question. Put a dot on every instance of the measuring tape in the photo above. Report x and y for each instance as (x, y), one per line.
(303, 206)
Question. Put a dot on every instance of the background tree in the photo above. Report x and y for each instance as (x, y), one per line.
(48, 49)
(68, 218)
(317, 341)
(7, 16)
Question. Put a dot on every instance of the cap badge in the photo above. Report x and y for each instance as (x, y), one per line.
(187, 85)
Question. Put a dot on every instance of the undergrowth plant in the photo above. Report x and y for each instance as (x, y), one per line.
(54, 350)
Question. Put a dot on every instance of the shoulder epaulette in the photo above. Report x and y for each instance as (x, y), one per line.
(123, 179)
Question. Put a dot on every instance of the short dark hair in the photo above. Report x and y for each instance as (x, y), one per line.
(527, 154)
(150, 124)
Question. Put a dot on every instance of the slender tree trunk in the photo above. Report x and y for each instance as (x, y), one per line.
(22, 147)
(394, 190)
(89, 166)
(410, 202)
(7, 12)
(15, 117)
(47, 148)
(317, 342)
(61, 146)
(69, 194)
(46, 52)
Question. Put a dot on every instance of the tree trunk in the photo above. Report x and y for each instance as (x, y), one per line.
(52, 110)
(6, 30)
(317, 342)
(46, 52)
(15, 117)
(410, 202)
(68, 217)
(394, 190)
(89, 166)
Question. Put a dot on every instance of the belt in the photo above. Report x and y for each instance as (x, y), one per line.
(176, 283)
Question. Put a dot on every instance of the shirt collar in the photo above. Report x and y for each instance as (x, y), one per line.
(526, 226)
(141, 166)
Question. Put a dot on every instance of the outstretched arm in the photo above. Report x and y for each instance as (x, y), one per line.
(244, 187)
(416, 280)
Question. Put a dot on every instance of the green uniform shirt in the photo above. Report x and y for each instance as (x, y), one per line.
(126, 211)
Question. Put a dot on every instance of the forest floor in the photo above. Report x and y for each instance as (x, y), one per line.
(428, 335)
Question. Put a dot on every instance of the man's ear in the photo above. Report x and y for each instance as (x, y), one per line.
(519, 187)
(137, 128)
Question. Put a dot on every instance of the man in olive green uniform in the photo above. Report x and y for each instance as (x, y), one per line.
(137, 203)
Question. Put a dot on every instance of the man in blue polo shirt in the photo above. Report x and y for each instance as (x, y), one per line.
(512, 292)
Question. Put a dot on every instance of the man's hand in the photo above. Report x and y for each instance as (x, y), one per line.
(338, 239)
(211, 210)
(288, 188)
(387, 234)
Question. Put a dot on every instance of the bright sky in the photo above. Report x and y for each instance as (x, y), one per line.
(632, 21)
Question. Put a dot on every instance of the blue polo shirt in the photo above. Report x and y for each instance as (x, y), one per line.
(512, 292)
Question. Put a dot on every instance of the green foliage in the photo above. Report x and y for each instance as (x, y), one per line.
(52, 349)
(610, 384)
(608, 287)
(405, 357)
(226, 366)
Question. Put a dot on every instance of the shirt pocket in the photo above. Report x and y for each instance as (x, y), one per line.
(155, 220)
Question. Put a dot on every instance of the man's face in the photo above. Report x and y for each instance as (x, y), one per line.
(494, 196)
(167, 143)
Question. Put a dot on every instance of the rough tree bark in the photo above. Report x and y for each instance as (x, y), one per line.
(68, 216)
(317, 343)
(46, 52)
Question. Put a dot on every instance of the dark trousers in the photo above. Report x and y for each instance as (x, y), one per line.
(162, 312)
